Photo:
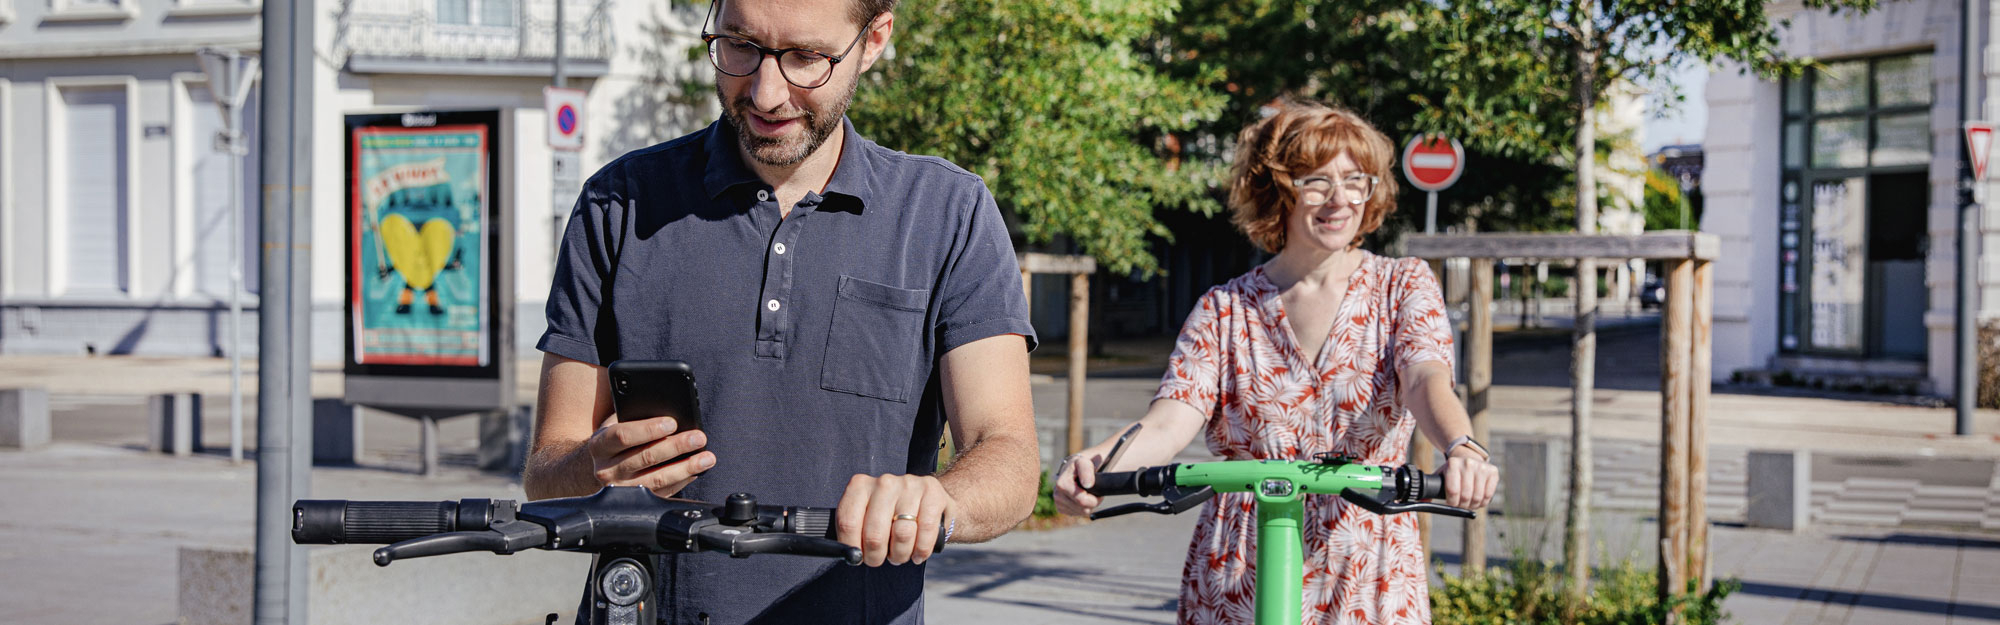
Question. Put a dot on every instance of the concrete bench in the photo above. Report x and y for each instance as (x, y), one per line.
(1779, 491)
(1534, 476)
(336, 431)
(217, 584)
(173, 423)
(24, 418)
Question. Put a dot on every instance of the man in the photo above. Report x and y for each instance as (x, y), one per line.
(840, 303)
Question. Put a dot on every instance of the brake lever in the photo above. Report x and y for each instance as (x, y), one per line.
(1378, 506)
(505, 537)
(743, 544)
(1176, 502)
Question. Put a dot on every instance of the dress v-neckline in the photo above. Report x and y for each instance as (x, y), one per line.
(1296, 351)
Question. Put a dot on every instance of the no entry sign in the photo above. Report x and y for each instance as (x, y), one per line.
(1433, 163)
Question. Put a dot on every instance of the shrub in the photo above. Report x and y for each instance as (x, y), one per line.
(1530, 592)
(1989, 364)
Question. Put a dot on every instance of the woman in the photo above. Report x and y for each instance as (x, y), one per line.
(1326, 347)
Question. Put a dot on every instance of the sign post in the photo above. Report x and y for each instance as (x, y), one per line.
(1433, 164)
(1972, 172)
(229, 76)
(565, 109)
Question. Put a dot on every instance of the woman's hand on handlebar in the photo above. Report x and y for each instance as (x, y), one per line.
(631, 453)
(1469, 479)
(1075, 474)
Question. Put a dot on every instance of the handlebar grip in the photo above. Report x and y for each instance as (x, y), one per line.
(1432, 486)
(335, 521)
(820, 522)
(1115, 483)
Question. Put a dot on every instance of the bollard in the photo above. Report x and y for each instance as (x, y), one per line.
(173, 423)
(1780, 489)
(1532, 473)
(336, 431)
(24, 418)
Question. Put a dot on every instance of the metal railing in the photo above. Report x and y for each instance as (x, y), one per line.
(413, 29)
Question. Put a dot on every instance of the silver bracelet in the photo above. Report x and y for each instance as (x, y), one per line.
(949, 525)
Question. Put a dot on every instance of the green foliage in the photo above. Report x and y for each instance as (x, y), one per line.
(1053, 104)
(1045, 499)
(1388, 61)
(1665, 203)
(1530, 592)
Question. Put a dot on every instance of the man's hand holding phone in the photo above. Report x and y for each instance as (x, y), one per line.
(631, 453)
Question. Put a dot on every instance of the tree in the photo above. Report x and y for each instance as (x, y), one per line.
(1390, 61)
(1054, 106)
(1601, 42)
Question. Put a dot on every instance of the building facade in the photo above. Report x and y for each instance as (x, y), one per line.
(114, 202)
(1834, 196)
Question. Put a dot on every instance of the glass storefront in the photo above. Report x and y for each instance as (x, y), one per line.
(1856, 147)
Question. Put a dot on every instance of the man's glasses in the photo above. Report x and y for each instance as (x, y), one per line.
(805, 69)
(1355, 189)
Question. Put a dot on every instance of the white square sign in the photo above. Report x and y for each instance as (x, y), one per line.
(565, 109)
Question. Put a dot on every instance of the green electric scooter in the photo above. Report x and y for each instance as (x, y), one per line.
(1280, 487)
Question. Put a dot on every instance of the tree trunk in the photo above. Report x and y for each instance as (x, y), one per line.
(1583, 353)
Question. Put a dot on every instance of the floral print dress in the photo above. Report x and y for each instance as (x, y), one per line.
(1237, 362)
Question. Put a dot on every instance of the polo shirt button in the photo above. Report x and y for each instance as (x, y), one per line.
(773, 305)
(779, 248)
(763, 195)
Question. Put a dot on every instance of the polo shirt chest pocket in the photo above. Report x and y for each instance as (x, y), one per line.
(874, 344)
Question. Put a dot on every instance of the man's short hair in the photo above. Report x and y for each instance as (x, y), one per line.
(1300, 138)
(863, 10)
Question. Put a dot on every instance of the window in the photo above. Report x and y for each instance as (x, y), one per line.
(476, 12)
(1856, 150)
(91, 180)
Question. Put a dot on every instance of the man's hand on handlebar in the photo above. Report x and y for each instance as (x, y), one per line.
(894, 519)
(1469, 479)
(631, 453)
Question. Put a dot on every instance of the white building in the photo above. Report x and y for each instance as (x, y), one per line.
(1834, 197)
(113, 218)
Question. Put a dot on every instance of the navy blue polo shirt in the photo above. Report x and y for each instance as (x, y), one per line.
(815, 338)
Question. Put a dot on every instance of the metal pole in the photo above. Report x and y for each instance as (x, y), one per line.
(284, 452)
(1431, 213)
(1966, 347)
(557, 216)
(235, 282)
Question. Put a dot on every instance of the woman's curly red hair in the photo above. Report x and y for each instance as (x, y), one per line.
(1300, 138)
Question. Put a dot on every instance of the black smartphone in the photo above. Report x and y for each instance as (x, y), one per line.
(644, 389)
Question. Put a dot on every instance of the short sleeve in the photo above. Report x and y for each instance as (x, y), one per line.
(583, 271)
(980, 292)
(1423, 331)
(1194, 371)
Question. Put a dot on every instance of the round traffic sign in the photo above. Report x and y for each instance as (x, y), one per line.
(1433, 163)
(566, 119)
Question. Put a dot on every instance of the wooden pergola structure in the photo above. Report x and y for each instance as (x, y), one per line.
(1078, 268)
(1684, 379)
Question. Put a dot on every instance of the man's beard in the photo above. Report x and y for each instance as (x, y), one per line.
(785, 152)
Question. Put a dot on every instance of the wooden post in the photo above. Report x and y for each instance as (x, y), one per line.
(1079, 351)
(1028, 289)
(1699, 379)
(1421, 451)
(1675, 372)
(1479, 381)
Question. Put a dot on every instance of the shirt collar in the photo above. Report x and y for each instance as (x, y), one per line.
(853, 178)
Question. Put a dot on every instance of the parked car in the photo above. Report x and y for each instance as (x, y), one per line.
(1653, 293)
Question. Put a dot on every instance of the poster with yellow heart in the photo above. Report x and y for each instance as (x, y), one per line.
(420, 259)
